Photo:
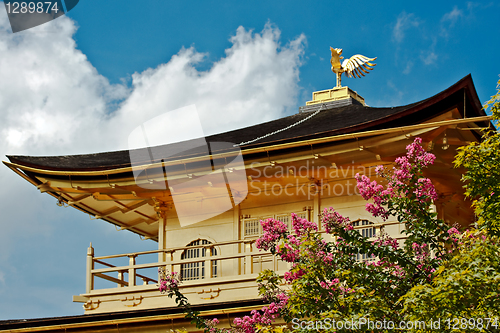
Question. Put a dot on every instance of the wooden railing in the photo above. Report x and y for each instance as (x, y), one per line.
(243, 262)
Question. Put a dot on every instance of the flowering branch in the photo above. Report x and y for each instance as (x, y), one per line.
(327, 279)
(169, 284)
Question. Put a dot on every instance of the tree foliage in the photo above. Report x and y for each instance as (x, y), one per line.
(329, 285)
(326, 282)
(482, 177)
(467, 287)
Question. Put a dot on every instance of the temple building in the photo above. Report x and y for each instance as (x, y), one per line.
(202, 200)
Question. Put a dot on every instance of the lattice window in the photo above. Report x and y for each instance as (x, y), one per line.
(302, 215)
(196, 270)
(287, 219)
(252, 227)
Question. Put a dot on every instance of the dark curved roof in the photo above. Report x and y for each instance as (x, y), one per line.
(330, 121)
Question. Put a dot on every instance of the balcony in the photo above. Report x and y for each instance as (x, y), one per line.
(226, 274)
(211, 273)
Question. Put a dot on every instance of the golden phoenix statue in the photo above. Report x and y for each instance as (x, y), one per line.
(355, 66)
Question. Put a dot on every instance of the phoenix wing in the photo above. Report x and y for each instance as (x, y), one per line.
(358, 65)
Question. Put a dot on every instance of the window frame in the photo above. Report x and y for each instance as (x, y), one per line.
(196, 270)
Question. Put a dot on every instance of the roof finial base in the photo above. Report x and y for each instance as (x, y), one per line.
(334, 94)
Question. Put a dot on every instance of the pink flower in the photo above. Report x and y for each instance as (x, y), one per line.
(453, 231)
(287, 252)
(425, 190)
(268, 315)
(168, 281)
(400, 183)
(377, 211)
(289, 276)
(301, 226)
(273, 231)
(367, 189)
(332, 220)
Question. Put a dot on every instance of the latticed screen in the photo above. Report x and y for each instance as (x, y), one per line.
(196, 270)
(252, 227)
(365, 232)
(302, 215)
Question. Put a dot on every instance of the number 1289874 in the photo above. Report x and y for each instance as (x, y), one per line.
(24, 7)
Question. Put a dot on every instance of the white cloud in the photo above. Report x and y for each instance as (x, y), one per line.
(429, 57)
(404, 22)
(53, 102)
(452, 16)
(255, 82)
(397, 93)
(408, 68)
(449, 20)
(49, 92)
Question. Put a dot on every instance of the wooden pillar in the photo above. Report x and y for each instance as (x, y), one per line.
(317, 210)
(236, 236)
(90, 267)
(162, 222)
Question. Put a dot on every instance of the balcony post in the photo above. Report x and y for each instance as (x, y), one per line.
(131, 270)
(248, 258)
(275, 263)
(90, 266)
(170, 258)
(120, 277)
(208, 263)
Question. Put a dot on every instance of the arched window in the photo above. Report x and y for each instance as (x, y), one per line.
(196, 270)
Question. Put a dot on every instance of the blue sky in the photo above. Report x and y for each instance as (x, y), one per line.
(80, 83)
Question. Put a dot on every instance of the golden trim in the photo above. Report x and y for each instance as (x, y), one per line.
(134, 320)
(203, 291)
(255, 150)
(89, 305)
(133, 299)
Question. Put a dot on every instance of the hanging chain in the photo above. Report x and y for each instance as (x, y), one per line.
(281, 130)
